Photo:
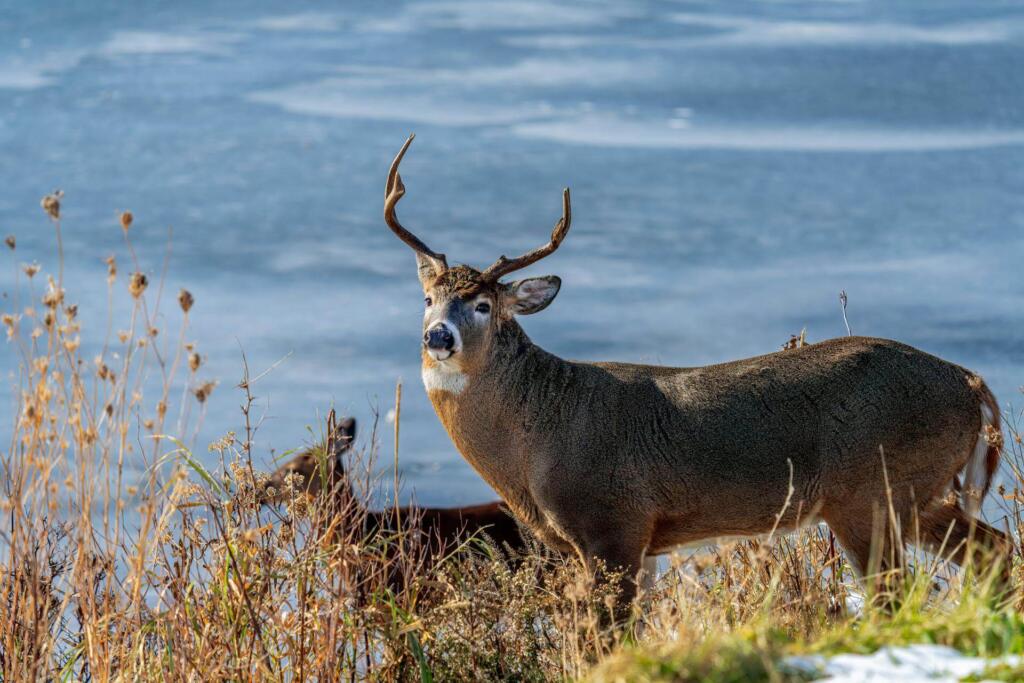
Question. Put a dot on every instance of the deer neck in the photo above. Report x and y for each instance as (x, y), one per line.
(488, 411)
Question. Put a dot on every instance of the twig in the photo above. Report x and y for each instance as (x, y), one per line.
(398, 511)
(842, 300)
(786, 503)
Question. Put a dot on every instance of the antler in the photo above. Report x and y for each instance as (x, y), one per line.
(503, 266)
(394, 191)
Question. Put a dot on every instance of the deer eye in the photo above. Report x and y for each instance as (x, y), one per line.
(428, 301)
(483, 307)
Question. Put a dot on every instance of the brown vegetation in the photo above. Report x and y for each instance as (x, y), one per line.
(125, 558)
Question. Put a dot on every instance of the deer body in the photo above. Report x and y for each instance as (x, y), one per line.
(618, 461)
(442, 529)
(445, 529)
(668, 456)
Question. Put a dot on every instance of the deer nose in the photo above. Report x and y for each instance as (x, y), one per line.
(439, 338)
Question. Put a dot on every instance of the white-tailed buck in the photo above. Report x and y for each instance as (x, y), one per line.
(616, 461)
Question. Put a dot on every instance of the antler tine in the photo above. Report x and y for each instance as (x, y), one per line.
(503, 266)
(394, 190)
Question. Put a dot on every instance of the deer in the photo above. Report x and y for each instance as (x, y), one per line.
(444, 530)
(615, 462)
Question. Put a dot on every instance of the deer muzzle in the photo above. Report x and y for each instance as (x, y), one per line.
(441, 341)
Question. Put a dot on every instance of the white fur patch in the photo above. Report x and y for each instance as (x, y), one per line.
(975, 473)
(441, 377)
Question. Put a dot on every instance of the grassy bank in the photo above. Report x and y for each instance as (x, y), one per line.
(180, 575)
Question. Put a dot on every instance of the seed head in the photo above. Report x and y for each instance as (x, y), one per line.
(11, 323)
(30, 269)
(9, 241)
(54, 296)
(993, 437)
(137, 284)
(203, 392)
(126, 220)
(185, 300)
(51, 204)
(111, 269)
(194, 361)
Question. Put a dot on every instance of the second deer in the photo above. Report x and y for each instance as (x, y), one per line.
(442, 529)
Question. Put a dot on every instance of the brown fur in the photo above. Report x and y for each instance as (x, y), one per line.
(946, 528)
(443, 529)
(307, 466)
(615, 460)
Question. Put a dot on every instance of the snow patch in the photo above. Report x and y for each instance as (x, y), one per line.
(723, 31)
(40, 70)
(609, 130)
(158, 43)
(449, 97)
(514, 14)
(23, 77)
(906, 664)
(320, 100)
(37, 72)
(739, 31)
(302, 21)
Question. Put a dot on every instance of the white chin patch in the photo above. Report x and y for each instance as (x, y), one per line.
(443, 377)
(439, 355)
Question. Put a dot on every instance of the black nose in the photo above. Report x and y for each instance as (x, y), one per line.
(439, 338)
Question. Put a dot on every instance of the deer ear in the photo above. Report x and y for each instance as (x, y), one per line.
(344, 435)
(532, 294)
(427, 269)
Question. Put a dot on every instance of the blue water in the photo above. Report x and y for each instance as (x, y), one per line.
(733, 166)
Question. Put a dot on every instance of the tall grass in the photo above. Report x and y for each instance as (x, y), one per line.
(179, 574)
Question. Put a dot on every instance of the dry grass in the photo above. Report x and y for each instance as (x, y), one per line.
(182, 576)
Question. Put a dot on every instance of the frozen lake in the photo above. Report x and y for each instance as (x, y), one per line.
(733, 168)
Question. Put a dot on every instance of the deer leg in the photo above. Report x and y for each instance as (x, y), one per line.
(856, 544)
(947, 529)
(649, 577)
(615, 561)
(552, 539)
(871, 545)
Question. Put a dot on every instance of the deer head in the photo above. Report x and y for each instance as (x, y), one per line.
(465, 308)
(340, 436)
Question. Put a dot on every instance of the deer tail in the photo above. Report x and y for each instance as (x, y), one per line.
(981, 468)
